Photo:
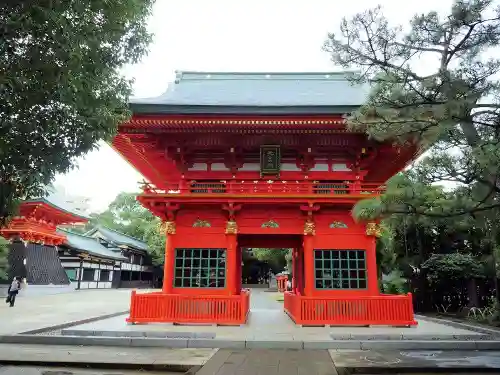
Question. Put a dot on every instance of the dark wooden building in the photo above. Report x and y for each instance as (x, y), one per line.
(137, 271)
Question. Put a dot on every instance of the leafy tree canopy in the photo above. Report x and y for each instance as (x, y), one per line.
(61, 89)
(433, 83)
(126, 215)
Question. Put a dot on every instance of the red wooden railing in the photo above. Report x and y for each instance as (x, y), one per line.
(394, 310)
(174, 308)
(281, 282)
(262, 187)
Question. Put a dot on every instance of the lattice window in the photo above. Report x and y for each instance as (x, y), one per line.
(340, 269)
(104, 275)
(332, 187)
(88, 274)
(200, 268)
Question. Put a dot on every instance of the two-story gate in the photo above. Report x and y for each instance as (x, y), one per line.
(247, 159)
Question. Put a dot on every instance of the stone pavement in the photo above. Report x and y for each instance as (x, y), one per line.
(415, 361)
(95, 355)
(322, 362)
(269, 362)
(36, 312)
(35, 370)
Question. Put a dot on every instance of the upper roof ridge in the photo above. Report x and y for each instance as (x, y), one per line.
(323, 75)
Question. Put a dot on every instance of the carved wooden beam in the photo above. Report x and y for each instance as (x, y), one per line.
(231, 208)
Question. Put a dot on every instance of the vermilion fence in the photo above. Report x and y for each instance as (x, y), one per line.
(394, 310)
(281, 282)
(173, 308)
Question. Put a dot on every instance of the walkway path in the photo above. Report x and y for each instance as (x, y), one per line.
(31, 313)
(269, 362)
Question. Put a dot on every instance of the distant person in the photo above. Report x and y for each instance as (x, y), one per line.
(13, 291)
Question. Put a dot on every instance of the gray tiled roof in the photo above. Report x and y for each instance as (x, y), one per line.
(89, 245)
(56, 200)
(119, 238)
(330, 89)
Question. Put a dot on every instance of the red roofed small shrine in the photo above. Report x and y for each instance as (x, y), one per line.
(238, 160)
(37, 222)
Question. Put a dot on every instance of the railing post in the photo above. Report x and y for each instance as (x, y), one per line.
(133, 307)
(410, 307)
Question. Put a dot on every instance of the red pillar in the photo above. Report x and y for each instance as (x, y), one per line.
(232, 264)
(308, 265)
(371, 267)
(239, 260)
(168, 267)
(300, 271)
(294, 270)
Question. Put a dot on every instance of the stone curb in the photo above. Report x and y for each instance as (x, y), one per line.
(240, 344)
(334, 336)
(412, 337)
(130, 334)
(489, 331)
(73, 323)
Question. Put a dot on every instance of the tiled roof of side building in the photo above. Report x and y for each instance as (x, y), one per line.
(118, 238)
(257, 90)
(55, 200)
(89, 245)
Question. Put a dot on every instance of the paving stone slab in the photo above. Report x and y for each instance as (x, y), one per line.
(99, 355)
(419, 345)
(155, 342)
(215, 343)
(460, 325)
(264, 344)
(413, 361)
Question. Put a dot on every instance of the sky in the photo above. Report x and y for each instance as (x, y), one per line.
(224, 35)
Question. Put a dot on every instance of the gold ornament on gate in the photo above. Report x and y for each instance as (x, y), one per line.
(373, 229)
(309, 228)
(231, 227)
(168, 227)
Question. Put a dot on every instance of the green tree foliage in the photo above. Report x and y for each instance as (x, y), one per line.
(451, 102)
(126, 215)
(278, 259)
(433, 84)
(4, 252)
(61, 89)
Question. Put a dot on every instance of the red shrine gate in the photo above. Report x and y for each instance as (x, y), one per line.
(280, 169)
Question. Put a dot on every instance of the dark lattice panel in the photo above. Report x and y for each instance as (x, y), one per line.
(43, 266)
(200, 268)
(340, 269)
(17, 253)
(331, 188)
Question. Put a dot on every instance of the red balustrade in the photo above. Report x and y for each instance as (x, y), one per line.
(262, 187)
(174, 308)
(393, 310)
